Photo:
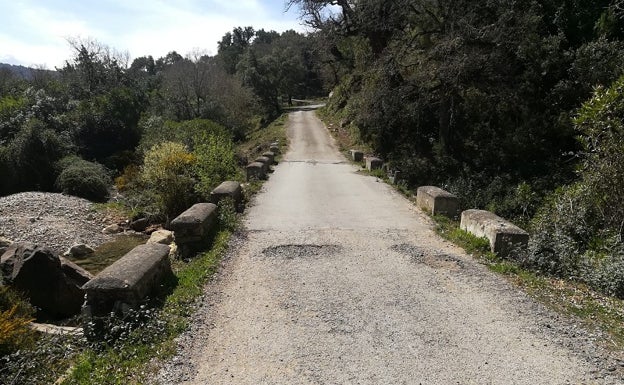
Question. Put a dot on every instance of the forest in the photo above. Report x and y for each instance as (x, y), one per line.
(516, 107)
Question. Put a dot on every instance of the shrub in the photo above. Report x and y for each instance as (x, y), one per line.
(82, 178)
(14, 330)
(168, 173)
(15, 315)
(128, 178)
(216, 161)
(578, 232)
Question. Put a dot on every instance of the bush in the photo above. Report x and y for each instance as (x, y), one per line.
(15, 315)
(578, 233)
(82, 178)
(216, 161)
(168, 174)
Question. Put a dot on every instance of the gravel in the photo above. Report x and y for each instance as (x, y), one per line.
(53, 220)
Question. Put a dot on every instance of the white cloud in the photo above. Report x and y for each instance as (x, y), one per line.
(141, 27)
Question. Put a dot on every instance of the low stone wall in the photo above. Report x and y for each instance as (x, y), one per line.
(128, 280)
(437, 201)
(504, 236)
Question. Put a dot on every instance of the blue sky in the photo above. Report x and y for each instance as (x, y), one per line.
(35, 32)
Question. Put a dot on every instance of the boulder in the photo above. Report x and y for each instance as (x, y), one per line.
(79, 250)
(51, 284)
(74, 272)
(139, 225)
(357, 155)
(164, 237)
(229, 189)
(113, 229)
(504, 236)
(274, 148)
(195, 224)
(436, 201)
(128, 280)
(373, 163)
(255, 171)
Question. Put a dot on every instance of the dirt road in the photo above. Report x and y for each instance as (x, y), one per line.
(340, 280)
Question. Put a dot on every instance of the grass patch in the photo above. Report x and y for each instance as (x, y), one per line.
(347, 137)
(594, 310)
(259, 140)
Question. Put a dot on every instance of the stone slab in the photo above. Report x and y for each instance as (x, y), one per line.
(437, 201)
(504, 236)
(264, 160)
(229, 189)
(195, 224)
(270, 155)
(129, 279)
(255, 171)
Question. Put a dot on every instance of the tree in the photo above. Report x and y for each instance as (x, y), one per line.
(198, 87)
(233, 45)
(108, 102)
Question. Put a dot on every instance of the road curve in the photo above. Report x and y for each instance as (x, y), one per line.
(341, 280)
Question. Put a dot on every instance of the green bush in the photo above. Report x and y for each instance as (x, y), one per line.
(168, 175)
(578, 232)
(15, 314)
(216, 161)
(82, 178)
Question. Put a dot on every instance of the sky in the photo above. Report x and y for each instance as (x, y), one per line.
(35, 32)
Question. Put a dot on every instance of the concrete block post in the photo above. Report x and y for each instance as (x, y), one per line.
(373, 163)
(228, 189)
(504, 236)
(255, 171)
(437, 201)
(357, 155)
(193, 227)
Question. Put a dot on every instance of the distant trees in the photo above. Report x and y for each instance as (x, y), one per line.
(100, 110)
(273, 65)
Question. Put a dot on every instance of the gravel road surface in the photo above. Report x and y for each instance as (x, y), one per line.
(340, 280)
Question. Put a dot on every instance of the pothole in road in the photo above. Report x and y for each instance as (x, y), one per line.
(301, 251)
(429, 257)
